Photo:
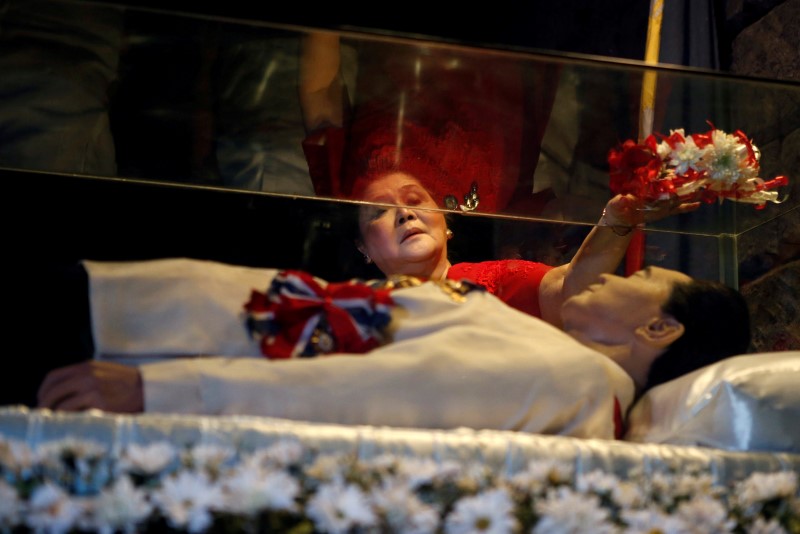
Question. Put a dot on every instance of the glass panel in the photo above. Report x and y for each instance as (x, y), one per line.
(119, 92)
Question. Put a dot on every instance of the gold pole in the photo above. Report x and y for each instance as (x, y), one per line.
(647, 102)
(634, 258)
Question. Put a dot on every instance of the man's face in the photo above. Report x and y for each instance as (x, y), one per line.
(609, 311)
(407, 238)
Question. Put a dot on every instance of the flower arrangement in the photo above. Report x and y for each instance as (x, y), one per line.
(78, 486)
(708, 166)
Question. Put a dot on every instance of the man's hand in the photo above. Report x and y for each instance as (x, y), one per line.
(110, 387)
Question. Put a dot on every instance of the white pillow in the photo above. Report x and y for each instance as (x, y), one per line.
(148, 310)
(747, 402)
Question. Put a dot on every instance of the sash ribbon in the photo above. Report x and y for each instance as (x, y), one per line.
(301, 316)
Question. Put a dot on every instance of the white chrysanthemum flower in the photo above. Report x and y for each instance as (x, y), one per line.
(186, 500)
(663, 149)
(249, 491)
(150, 459)
(402, 510)
(650, 521)
(10, 507)
(120, 508)
(210, 456)
(705, 515)
(760, 487)
(760, 526)
(52, 510)
(336, 508)
(565, 511)
(685, 156)
(725, 160)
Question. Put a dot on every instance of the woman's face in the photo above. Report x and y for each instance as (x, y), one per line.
(407, 238)
(609, 311)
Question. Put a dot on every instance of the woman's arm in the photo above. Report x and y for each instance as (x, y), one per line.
(602, 251)
(322, 92)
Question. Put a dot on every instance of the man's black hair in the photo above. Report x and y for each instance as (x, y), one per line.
(717, 325)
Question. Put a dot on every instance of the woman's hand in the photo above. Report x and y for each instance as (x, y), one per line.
(107, 386)
(627, 211)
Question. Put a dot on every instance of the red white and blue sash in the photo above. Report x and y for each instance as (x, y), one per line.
(302, 316)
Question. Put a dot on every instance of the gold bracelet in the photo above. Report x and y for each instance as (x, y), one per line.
(618, 229)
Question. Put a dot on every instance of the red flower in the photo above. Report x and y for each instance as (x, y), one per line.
(633, 168)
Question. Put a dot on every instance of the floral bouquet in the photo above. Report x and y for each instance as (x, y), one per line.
(704, 166)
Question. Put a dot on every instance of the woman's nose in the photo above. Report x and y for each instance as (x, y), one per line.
(404, 215)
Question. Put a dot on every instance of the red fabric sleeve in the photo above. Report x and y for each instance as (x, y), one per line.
(515, 282)
(324, 150)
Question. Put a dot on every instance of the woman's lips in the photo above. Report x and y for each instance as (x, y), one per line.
(410, 233)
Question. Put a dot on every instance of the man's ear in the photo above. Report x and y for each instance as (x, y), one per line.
(660, 331)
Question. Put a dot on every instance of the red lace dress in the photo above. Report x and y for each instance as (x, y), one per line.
(448, 118)
(516, 282)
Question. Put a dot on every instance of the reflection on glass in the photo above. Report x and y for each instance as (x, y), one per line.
(59, 62)
(110, 91)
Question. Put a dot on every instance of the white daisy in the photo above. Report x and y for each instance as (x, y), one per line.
(79, 448)
(760, 487)
(210, 456)
(51, 510)
(10, 507)
(402, 510)
(249, 491)
(120, 508)
(650, 521)
(540, 475)
(491, 512)
(596, 481)
(285, 452)
(761, 526)
(150, 459)
(689, 485)
(386, 462)
(421, 471)
(565, 511)
(186, 500)
(17, 457)
(326, 467)
(705, 515)
(336, 508)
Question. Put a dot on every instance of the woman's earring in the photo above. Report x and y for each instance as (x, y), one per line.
(449, 234)
(367, 259)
